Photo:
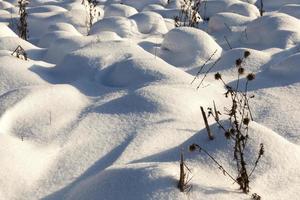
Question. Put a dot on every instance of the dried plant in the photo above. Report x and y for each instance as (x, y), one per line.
(184, 176)
(22, 25)
(237, 126)
(261, 8)
(189, 14)
(19, 52)
(91, 10)
(255, 196)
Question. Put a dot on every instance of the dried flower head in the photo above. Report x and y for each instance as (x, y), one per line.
(227, 135)
(246, 54)
(246, 121)
(193, 147)
(255, 196)
(250, 77)
(241, 70)
(218, 76)
(238, 62)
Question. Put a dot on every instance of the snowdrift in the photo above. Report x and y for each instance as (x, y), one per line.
(103, 112)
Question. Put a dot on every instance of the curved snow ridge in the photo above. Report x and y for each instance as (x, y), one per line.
(42, 112)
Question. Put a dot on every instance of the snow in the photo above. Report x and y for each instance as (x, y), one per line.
(287, 69)
(225, 20)
(103, 113)
(124, 27)
(119, 10)
(188, 47)
(5, 31)
(291, 9)
(150, 22)
(262, 31)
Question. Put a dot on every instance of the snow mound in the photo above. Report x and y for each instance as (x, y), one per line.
(291, 9)
(130, 72)
(64, 44)
(134, 67)
(119, 10)
(58, 31)
(139, 5)
(43, 21)
(64, 27)
(244, 9)
(273, 5)
(287, 69)
(187, 46)
(274, 30)
(45, 9)
(225, 20)
(124, 27)
(15, 73)
(5, 5)
(150, 22)
(212, 7)
(11, 43)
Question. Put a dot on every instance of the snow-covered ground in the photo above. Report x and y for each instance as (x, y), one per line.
(103, 114)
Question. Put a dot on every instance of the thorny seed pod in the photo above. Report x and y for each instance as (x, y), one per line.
(238, 62)
(246, 121)
(218, 76)
(255, 196)
(250, 77)
(246, 54)
(227, 135)
(193, 147)
(241, 70)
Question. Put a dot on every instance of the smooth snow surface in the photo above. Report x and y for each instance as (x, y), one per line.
(103, 113)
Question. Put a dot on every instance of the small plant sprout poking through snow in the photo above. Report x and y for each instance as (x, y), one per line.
(237, 126)
(184, 179)
(22, 26)
(91, 10)
(189, 14)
